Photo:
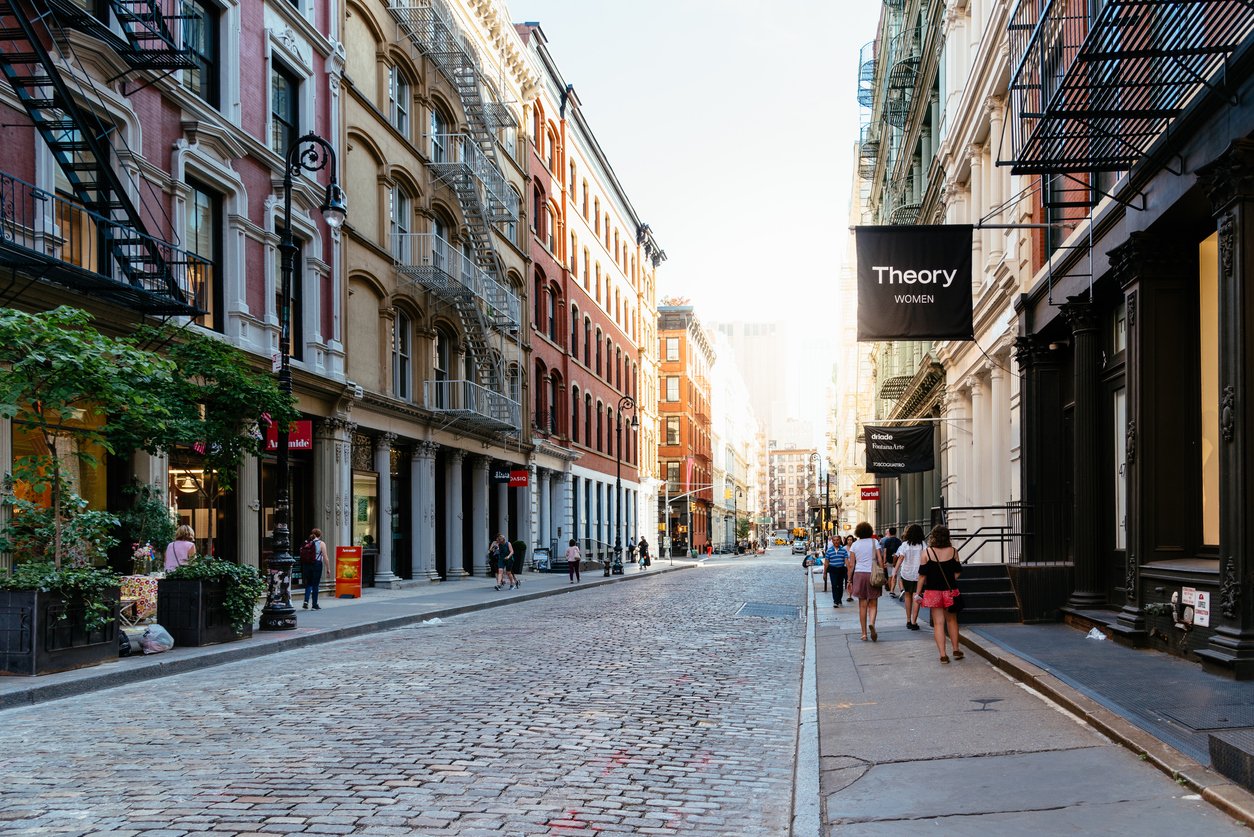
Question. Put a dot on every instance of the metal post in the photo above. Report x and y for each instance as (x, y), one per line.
(309, 153)
(624, 403)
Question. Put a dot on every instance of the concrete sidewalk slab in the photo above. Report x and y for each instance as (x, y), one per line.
(376, 610)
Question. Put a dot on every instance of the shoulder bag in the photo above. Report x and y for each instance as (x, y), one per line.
(877, 572)
(958, 604)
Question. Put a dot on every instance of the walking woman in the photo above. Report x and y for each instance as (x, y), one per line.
(909, 555)
(865, 555)
(572, 561)
(938, 587)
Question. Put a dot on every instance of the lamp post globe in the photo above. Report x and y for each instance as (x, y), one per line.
(624, 403)
(310, 153)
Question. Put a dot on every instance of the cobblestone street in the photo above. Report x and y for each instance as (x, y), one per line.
(641, 708)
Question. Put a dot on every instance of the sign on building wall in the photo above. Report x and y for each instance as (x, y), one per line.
(869, 492)
(914, 282)
(899, 450)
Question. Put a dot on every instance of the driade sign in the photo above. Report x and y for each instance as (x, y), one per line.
(914, 282)
(899, 450)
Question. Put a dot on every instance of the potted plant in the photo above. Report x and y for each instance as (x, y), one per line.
(74, 395)
(209, 600)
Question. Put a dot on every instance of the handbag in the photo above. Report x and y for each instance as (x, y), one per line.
(877, 574)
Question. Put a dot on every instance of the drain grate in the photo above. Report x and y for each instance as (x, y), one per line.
(1223, 716)
(770, 611)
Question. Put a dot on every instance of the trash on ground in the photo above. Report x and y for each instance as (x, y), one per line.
(1094, 633)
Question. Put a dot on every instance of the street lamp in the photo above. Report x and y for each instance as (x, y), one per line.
(624, 403)
(309, 153)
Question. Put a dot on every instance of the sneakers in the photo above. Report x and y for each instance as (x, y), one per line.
(305, 606)
(315, 607)
(511, 587)
(518, 583)
(496, 587)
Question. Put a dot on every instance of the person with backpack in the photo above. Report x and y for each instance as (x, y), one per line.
(313, 559)
(890, 545)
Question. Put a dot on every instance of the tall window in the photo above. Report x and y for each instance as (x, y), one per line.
(672, 389)
(200, 39)
(296, 322)
(442, 364)
(574, 331)
(587, 342)
(672, 348)
(399, 98)
(598, 363)
(672, 430)
(399, 213)
(402, 352)
(600, 427)
(574, 255)
(284, 109)
(587, 420)
(204, 239)
(672, 475)
(552, 389)
(550, 230)
(539, 419)
(574, 414)
(550, 313)
(440, 140)
(571, 182)
(1208, 339)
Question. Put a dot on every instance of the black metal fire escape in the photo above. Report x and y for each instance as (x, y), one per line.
(145, 271)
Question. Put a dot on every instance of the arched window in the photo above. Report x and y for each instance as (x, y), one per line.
(550, 229)
(574, 414)
(442, 365)
(611, 431)
(441, 142)
(585, 200)
(399, 214)
(550, 312)
(571, 182)
(586, 261)
(399, 99)
(609, 350)
(597, 368)
(618, 367)
(402, 356)
(574, 330)
(540, 420)
(587, 342)
(597, 294)
(600, 427)
(539, 294)
(574, 255)
(553, 387)
(587, 420)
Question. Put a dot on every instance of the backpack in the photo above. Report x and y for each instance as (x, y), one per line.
(309, 552)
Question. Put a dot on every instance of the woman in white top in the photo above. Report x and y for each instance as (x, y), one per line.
(907, 565)
(864, 555)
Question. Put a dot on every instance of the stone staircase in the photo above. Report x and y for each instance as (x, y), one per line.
(989, 593)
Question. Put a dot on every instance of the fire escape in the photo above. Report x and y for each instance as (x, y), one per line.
(97, 242)
(472, 281)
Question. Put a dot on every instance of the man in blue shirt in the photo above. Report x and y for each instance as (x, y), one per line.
(836, 570)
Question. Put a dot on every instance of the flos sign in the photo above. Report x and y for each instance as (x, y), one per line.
(914, 282)
(899, 450)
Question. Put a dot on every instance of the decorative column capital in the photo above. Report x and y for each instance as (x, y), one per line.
(456, 455)
(1229, 178)
(1145, 256)
(387, 440)
(337, 426)
(1030, 350)
(1081, 314)
(426, 449)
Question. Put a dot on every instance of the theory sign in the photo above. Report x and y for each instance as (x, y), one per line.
(914, 282)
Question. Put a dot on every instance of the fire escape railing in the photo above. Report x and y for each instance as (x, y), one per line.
(1092, 92)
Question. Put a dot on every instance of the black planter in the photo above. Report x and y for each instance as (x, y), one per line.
(40, 633)
(194, 612)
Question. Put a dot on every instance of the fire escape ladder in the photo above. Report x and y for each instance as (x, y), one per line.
(151, 44)
(80, 143)
(468, 165)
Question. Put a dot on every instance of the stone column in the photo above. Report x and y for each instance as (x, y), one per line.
(977, 475)
(333, 479)
(502, 510)
(422, 470)
(1086, 498)
(566, 503)
(993, 106)
(385, 573)
(979, 205)
(1229, 182)
(1042, 476)
(455, 553)
(479, 515)
(999, 454)
(544, 500)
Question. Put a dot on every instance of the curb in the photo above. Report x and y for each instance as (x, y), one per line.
(1218, 790)
(229, 653)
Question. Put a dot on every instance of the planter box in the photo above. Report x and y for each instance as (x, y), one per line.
(35, 639)
(192, 611)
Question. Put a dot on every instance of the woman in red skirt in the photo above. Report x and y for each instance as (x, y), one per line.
(938, 587)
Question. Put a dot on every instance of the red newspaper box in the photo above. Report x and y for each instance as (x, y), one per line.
(348, 572)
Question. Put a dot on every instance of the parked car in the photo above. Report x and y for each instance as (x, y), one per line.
(799, 547)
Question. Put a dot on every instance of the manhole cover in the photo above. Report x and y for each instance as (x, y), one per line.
(769, 611)
(1224, 716)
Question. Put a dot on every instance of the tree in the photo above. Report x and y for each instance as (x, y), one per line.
(75, 389)
(222, 406)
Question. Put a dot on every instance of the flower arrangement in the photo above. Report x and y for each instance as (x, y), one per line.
(144, 557)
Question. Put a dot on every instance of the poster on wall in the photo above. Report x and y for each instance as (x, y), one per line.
(914, 282)
(899, 450)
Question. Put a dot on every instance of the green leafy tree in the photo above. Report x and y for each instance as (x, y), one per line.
(76, 390)
(222, 406)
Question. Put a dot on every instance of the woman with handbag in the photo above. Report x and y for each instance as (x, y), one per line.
(938, 589)
(868, 561)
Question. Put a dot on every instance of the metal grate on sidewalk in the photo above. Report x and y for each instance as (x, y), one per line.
(770, 611)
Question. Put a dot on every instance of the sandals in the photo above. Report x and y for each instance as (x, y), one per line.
(874, 636)
(944, 659)
(958, 655)
(864, 637)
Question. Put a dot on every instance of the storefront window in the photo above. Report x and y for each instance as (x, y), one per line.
(365, 509)
(1208, 335)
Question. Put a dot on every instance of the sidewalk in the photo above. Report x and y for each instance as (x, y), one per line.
(889, 712)
(376, 610)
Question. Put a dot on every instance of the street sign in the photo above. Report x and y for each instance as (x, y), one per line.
(518, 479)
(870, 492)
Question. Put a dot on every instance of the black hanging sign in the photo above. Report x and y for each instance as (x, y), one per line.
(899, 450)
(500, 473)
(914, 282)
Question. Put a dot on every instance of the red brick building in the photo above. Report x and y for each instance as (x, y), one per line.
(685, 454)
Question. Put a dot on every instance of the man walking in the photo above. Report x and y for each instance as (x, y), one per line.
(890, 546)
(836, 571)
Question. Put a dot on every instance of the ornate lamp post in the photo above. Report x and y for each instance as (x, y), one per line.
(624, 403)
(309, 153)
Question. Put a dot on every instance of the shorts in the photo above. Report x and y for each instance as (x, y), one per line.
(938, 598)
(909, 585)
(861, 587)
(492, 565)
(515, 565)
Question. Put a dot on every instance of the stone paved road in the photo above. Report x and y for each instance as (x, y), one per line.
(641, 708)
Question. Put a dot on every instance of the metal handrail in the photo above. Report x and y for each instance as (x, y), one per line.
(431, 250)
(460, 154)
(470, 397)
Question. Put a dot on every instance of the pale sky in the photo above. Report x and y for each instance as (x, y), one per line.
(731, 125)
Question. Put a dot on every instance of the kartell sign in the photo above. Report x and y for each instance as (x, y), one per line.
(914, 282)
